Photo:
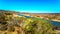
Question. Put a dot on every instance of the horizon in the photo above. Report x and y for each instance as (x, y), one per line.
(31, 6)
(31, 12)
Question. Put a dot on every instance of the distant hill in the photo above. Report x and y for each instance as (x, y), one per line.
(8, 11)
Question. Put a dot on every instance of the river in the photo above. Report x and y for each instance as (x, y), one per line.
(54, 23)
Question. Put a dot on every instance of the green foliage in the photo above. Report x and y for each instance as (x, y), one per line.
(28, 25)
(36, 26)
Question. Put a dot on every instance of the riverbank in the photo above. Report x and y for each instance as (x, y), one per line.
(55, 20)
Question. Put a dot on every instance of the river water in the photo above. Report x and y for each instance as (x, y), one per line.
(54, 23)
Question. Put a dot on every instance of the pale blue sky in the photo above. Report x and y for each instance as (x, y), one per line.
(32, 6)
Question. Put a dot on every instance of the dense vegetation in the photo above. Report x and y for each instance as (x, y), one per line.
(22, 25)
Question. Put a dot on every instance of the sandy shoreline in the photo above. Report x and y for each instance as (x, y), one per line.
(56, 20)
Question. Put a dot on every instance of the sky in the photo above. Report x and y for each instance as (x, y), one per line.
(31, 6)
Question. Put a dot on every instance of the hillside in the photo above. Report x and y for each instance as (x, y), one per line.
(10, 24)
